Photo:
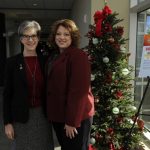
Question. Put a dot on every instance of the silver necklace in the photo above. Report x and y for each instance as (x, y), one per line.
(33, 78)
(35, 67)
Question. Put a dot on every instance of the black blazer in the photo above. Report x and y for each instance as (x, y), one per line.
(15, 104)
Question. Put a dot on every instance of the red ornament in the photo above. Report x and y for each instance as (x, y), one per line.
(140, 124)
(116, 46)
(118, 94)
(108, 77)
(119, 30)
(111, 146)
(110, 131)
(107, 28)
(98, 137)
(119, 120)
(91, 147)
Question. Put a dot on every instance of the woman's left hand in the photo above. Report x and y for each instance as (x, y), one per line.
(70, 131)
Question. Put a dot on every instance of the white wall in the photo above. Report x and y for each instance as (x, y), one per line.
(139, 6)
(133, 3)
(81, 14)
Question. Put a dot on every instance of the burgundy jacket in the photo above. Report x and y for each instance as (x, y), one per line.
(69, 97)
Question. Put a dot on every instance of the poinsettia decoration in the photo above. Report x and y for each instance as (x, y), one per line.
(99, 17)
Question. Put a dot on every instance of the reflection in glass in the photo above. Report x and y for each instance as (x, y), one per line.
(143, 27)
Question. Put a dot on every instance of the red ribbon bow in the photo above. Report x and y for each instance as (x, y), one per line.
(99, 16)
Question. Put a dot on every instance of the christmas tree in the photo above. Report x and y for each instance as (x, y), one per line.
(112, 86)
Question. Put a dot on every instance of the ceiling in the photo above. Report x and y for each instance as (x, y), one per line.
(43, 11)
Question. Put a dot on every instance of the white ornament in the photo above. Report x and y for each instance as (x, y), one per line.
(95, 41)
(92, 77)
(132, 108)
(115, 110)
(112, 91)
(125, 71)
(105, 59)
(123, 49)
(131, 121)
(92, 140)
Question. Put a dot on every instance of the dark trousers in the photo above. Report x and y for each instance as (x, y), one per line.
(79, 142)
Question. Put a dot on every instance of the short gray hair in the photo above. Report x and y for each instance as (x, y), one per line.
(27, 25)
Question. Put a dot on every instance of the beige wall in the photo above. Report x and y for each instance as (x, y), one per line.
(119, 6)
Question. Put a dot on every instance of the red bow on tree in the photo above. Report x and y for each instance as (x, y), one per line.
(107, 11)
(99, 16)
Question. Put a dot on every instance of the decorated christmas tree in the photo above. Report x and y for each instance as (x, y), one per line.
(112, 86)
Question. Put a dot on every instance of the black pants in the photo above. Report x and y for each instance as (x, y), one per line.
(79, 142)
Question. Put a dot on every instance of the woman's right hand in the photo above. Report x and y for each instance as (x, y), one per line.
(9, 131)
(70, 131)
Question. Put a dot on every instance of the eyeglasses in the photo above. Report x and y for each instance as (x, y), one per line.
(28, 37)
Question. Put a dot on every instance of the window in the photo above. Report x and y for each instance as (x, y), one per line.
(143, 19)
(139, 1)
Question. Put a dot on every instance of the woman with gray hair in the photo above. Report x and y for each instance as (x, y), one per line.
(24, 112)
